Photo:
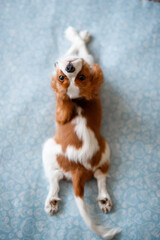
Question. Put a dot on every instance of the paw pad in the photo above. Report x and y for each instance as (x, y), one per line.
(53, 202)
(105, 205)
(51, 206)
(104, 201)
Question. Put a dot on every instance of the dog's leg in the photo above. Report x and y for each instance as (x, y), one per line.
(84, 53)
(84, 35)
(79, 44)
(82, 48)
(53, 173)
(52, 200)
(71, 35)
(104, 200)
(72, 50)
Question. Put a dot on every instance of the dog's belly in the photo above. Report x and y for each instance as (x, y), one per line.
(75, 143)
(78, 142)
(89, 144)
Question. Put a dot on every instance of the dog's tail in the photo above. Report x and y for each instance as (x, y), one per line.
(78, 186)
(107, 234)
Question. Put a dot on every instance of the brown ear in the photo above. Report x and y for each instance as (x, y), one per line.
(97, 79)
(64, 110)
(53, 83)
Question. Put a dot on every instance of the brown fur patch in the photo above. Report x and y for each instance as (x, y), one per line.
(96, 79)
(86, 84)
(59, 87)
(65, 110)
(80, 175)
(90, 86)
(92, 111)
(65, 135)
(105, 167)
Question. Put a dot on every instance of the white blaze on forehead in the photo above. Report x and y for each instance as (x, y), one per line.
(73, 90)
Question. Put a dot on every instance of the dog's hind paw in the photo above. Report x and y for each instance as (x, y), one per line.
(70, 33)
(105, 204)
(85, 36)
(51, 205)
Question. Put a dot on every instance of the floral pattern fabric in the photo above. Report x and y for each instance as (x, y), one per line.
(126, 44)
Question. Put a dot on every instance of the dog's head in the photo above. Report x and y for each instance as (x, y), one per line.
(74, 78)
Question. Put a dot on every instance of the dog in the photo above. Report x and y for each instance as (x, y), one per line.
(78, 152)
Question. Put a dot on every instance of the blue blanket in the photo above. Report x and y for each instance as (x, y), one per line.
(126, 43)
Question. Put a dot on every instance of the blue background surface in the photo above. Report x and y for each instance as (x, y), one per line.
(126, 43)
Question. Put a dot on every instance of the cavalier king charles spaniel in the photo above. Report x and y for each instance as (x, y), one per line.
(78, 152)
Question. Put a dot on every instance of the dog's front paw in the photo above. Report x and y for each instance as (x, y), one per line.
(70, 33)
(51, 205)
(85, 36)
(105, 204)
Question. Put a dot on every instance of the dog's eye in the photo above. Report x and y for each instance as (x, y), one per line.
(61, 78)
(81, 77)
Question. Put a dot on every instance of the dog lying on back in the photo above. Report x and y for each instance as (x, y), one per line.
(78, 152)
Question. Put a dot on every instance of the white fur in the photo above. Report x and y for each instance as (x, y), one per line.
(73, 90)
(102, 192)
(107, 234)
(77, 63)
(101, 182)
(49, 155)
(79, 44)
(53, 172)
(85, 36)
(50, 151)
(57, 175)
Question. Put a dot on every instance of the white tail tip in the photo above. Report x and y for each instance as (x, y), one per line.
(107, 234)
(111, 233)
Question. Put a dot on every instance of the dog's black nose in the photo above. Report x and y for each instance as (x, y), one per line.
(70, 68)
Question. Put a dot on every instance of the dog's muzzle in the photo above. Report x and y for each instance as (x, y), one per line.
(70, 68)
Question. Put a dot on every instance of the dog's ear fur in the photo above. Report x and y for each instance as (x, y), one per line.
(64, 106)
(59, 91)
(53, 83)
(64, 110)
(97, 80)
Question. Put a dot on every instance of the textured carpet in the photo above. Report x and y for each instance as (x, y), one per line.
(126, 43)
